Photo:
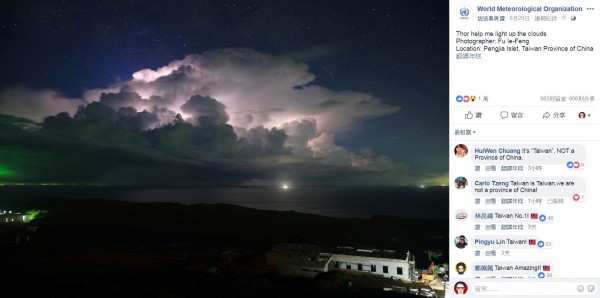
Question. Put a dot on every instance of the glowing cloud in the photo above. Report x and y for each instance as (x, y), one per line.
(253, 92)
(257, 89)
(230, 105)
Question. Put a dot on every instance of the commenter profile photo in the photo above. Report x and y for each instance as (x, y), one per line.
(460, 241)
(461, 182)
(461, 150)
(461, 268)
(460, 288)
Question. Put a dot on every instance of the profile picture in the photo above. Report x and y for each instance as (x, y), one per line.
(460, 288)
(460, 215)
(460, 182)
(460, 241)
(461, 268)
(581, 115)
(461, 150)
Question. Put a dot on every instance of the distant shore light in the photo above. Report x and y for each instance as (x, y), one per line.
(285, 186)
(422, 186)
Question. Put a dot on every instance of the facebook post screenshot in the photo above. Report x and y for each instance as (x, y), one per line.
(524, 138)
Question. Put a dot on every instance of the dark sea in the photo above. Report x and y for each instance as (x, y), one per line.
(348, 202)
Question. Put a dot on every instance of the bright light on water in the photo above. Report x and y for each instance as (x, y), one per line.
(422, 186)
(285, 186)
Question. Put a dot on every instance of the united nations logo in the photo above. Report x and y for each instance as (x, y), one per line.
(463, 13)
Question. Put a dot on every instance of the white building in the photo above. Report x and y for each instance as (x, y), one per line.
(387, 263)
(309, 260)
(7, 216)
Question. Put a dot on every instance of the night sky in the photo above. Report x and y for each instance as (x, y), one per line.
(224, 92)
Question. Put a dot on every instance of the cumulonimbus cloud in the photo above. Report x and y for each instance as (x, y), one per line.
(248, 90)
(269, 101)
(257, 89)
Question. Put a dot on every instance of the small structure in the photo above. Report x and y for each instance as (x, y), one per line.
(14, 228)
(310, 260)
(9, 216)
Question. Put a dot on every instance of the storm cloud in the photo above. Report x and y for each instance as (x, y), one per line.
(204, 106)
(236, 112)
(257, 89)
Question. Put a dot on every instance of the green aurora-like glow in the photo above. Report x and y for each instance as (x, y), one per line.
(33, 214)
(6, 172)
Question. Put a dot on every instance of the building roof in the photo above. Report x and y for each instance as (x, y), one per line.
(316, 251)
(371, 252)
